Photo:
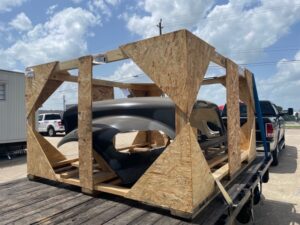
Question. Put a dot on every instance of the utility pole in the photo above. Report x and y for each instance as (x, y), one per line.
(160, 27)
(64, 102)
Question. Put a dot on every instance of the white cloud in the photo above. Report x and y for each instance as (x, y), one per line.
(232, 27)
(7, 5)
(128, 71)
(51, 9)
(62, 37)
(21, 22)
(283, 88)
(172, 13)
(103, 5)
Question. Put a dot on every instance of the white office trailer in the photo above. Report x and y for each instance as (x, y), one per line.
(12, 112)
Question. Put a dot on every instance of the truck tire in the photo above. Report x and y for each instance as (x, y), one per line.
(256, 195)
(51, 132)
(275, 154)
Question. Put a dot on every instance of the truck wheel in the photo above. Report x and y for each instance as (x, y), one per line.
(245, 214)
(51, 132)
(275, 154)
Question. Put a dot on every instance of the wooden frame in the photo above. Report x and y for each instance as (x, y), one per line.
(181, 179)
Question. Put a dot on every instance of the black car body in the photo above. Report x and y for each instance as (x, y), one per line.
(111, 117)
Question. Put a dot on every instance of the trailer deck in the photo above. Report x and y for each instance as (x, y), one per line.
(47, 202)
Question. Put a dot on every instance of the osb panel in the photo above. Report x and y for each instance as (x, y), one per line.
(37, 162)
(52, 154)
(233, 117)
(179, 179)
(36, 84)
(102, 93)
(176, 62)
(85, 122)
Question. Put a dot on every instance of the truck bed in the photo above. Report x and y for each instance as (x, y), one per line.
(45, 202)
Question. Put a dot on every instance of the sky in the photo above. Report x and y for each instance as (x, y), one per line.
(262, 35)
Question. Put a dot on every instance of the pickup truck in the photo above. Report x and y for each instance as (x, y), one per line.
(50, 123)
(274, 127)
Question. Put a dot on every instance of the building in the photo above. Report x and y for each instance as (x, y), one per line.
(12, 112)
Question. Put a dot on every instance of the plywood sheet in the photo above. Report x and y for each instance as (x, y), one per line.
(176, 62)
(85, 122)
(37, 162)
(36, 84)
(233, 117)
(179, 179)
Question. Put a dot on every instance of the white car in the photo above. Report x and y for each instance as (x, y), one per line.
(50, 123)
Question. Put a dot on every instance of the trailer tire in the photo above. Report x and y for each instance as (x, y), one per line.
(256, 195)
(265, 177)
(245, 214)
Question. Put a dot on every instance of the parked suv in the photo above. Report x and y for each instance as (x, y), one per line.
(50, 123)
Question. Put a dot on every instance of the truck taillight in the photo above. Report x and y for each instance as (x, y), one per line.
(269, 130)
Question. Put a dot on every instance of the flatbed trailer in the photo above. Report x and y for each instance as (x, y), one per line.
(47, 202)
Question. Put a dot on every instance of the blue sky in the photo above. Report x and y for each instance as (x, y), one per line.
(262, 34)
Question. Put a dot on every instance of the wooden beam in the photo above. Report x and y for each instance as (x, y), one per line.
(112, 189)
(218, 59)
(115, 55)
(69, 174)
(214, 80)
(63, 76)
(85, 123)
(233, 117)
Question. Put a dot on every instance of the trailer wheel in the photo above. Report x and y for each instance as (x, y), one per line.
(265, 177)
(256, 195)
(245, 214)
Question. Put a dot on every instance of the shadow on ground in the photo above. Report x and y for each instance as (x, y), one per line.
(270, 212)
(287, 161)
(16, 160)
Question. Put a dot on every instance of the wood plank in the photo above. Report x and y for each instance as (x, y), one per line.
(233, 117)
(221, 172)
(218, 59)
(65, 162)
(59, 76)
(70, 215)
(50, 207)
(217, 160)
(112, 189)
(90, 212)
(126, 217)
(108, 214)
(69, 174)
(100, 177)
(72, 181)
(85, 122)
(115, 55)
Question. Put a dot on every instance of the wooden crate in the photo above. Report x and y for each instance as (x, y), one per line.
(181, 179)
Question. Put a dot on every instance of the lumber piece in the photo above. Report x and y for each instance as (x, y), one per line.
(38, 163)
(85, 122)
(112, 189)
(69, 174)
(233, 117)
(179, 69)
(218, 59)
(65, 162)
(176, 169)
(36, 84)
